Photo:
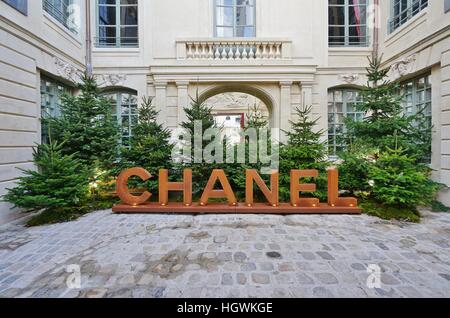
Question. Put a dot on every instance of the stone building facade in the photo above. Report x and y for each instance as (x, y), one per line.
(283, 53)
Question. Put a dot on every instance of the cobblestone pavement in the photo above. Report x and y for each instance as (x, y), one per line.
(226, 256)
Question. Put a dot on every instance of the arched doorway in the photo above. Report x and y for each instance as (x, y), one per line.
(238, 100)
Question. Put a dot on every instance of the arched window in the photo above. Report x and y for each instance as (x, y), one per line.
(341, 104)
(125, 108)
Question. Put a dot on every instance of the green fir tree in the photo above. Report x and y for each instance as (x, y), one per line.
(305, 149)
(385, 123)
(60, 182)
(87, 127)
(150, 146)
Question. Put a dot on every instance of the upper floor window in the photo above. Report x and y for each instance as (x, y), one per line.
(19, 5)
(347, 23)
(117, 23)
(62, 11)
(235, 18)
(403, 10)
(342, 104)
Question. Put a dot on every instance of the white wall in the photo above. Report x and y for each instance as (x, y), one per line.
(29, 45)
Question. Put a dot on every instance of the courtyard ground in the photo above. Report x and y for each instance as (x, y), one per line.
(226, 256)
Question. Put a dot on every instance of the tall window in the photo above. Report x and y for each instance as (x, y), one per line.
(19, 5)
(341, 104)
(51, 92)
(117, 22)
(403, 10)
(124, 107)
(235, 18)
(62, 11)
(347, 23)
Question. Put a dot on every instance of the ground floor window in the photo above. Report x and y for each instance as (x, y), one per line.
(51, 93)
(417, 100)
(341, 104)
(124, 107)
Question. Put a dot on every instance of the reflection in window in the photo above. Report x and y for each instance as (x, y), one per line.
(417, 101)
(63, 11)
(125, 109)
(117, 23)
(235, 18)
(341, 104)
(19, 5)
(404, 10)
(51, 92)
(347, 23)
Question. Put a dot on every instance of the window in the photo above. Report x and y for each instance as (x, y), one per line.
(341, 104)
(347, 23)
(125, 109)
(19, 5)
(417, 100)
(117, 22)
(235, 18)
(63, 11)
(403, 10)
(51, 92)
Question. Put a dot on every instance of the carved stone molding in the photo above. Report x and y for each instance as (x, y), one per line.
(349, 78)
(107, 80)
(403, 67)
(67, 70)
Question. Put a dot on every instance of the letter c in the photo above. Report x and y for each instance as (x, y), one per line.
(122, 188)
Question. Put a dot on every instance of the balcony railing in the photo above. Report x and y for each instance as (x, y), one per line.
(234, 49)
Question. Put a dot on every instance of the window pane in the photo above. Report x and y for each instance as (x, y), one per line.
(128, 16)
(225, 16)
(107, 15)
(342, 104)
(224, 32)
(118, 23)
(235, 18)
(62, 11)
(347, 21)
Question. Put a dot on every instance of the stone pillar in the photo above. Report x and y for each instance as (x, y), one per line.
(285, 108)
(161, 101)
(445, 123)
(307, 99)
(183, 100)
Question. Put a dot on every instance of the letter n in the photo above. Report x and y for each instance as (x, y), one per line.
(271, 195)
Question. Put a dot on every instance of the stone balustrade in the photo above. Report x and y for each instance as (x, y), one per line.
(234, 49)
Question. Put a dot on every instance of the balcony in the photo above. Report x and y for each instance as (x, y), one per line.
(237, 49)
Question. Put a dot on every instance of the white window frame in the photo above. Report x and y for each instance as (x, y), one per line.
(118, 39)
(117, 111)
(412, 8)
(364, 40)
(19, 5)
(332, 127)
(234, 26)
(62, 13)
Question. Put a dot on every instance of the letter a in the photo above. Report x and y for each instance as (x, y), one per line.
(227, 192)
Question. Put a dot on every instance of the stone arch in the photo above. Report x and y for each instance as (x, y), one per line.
(255, 91)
